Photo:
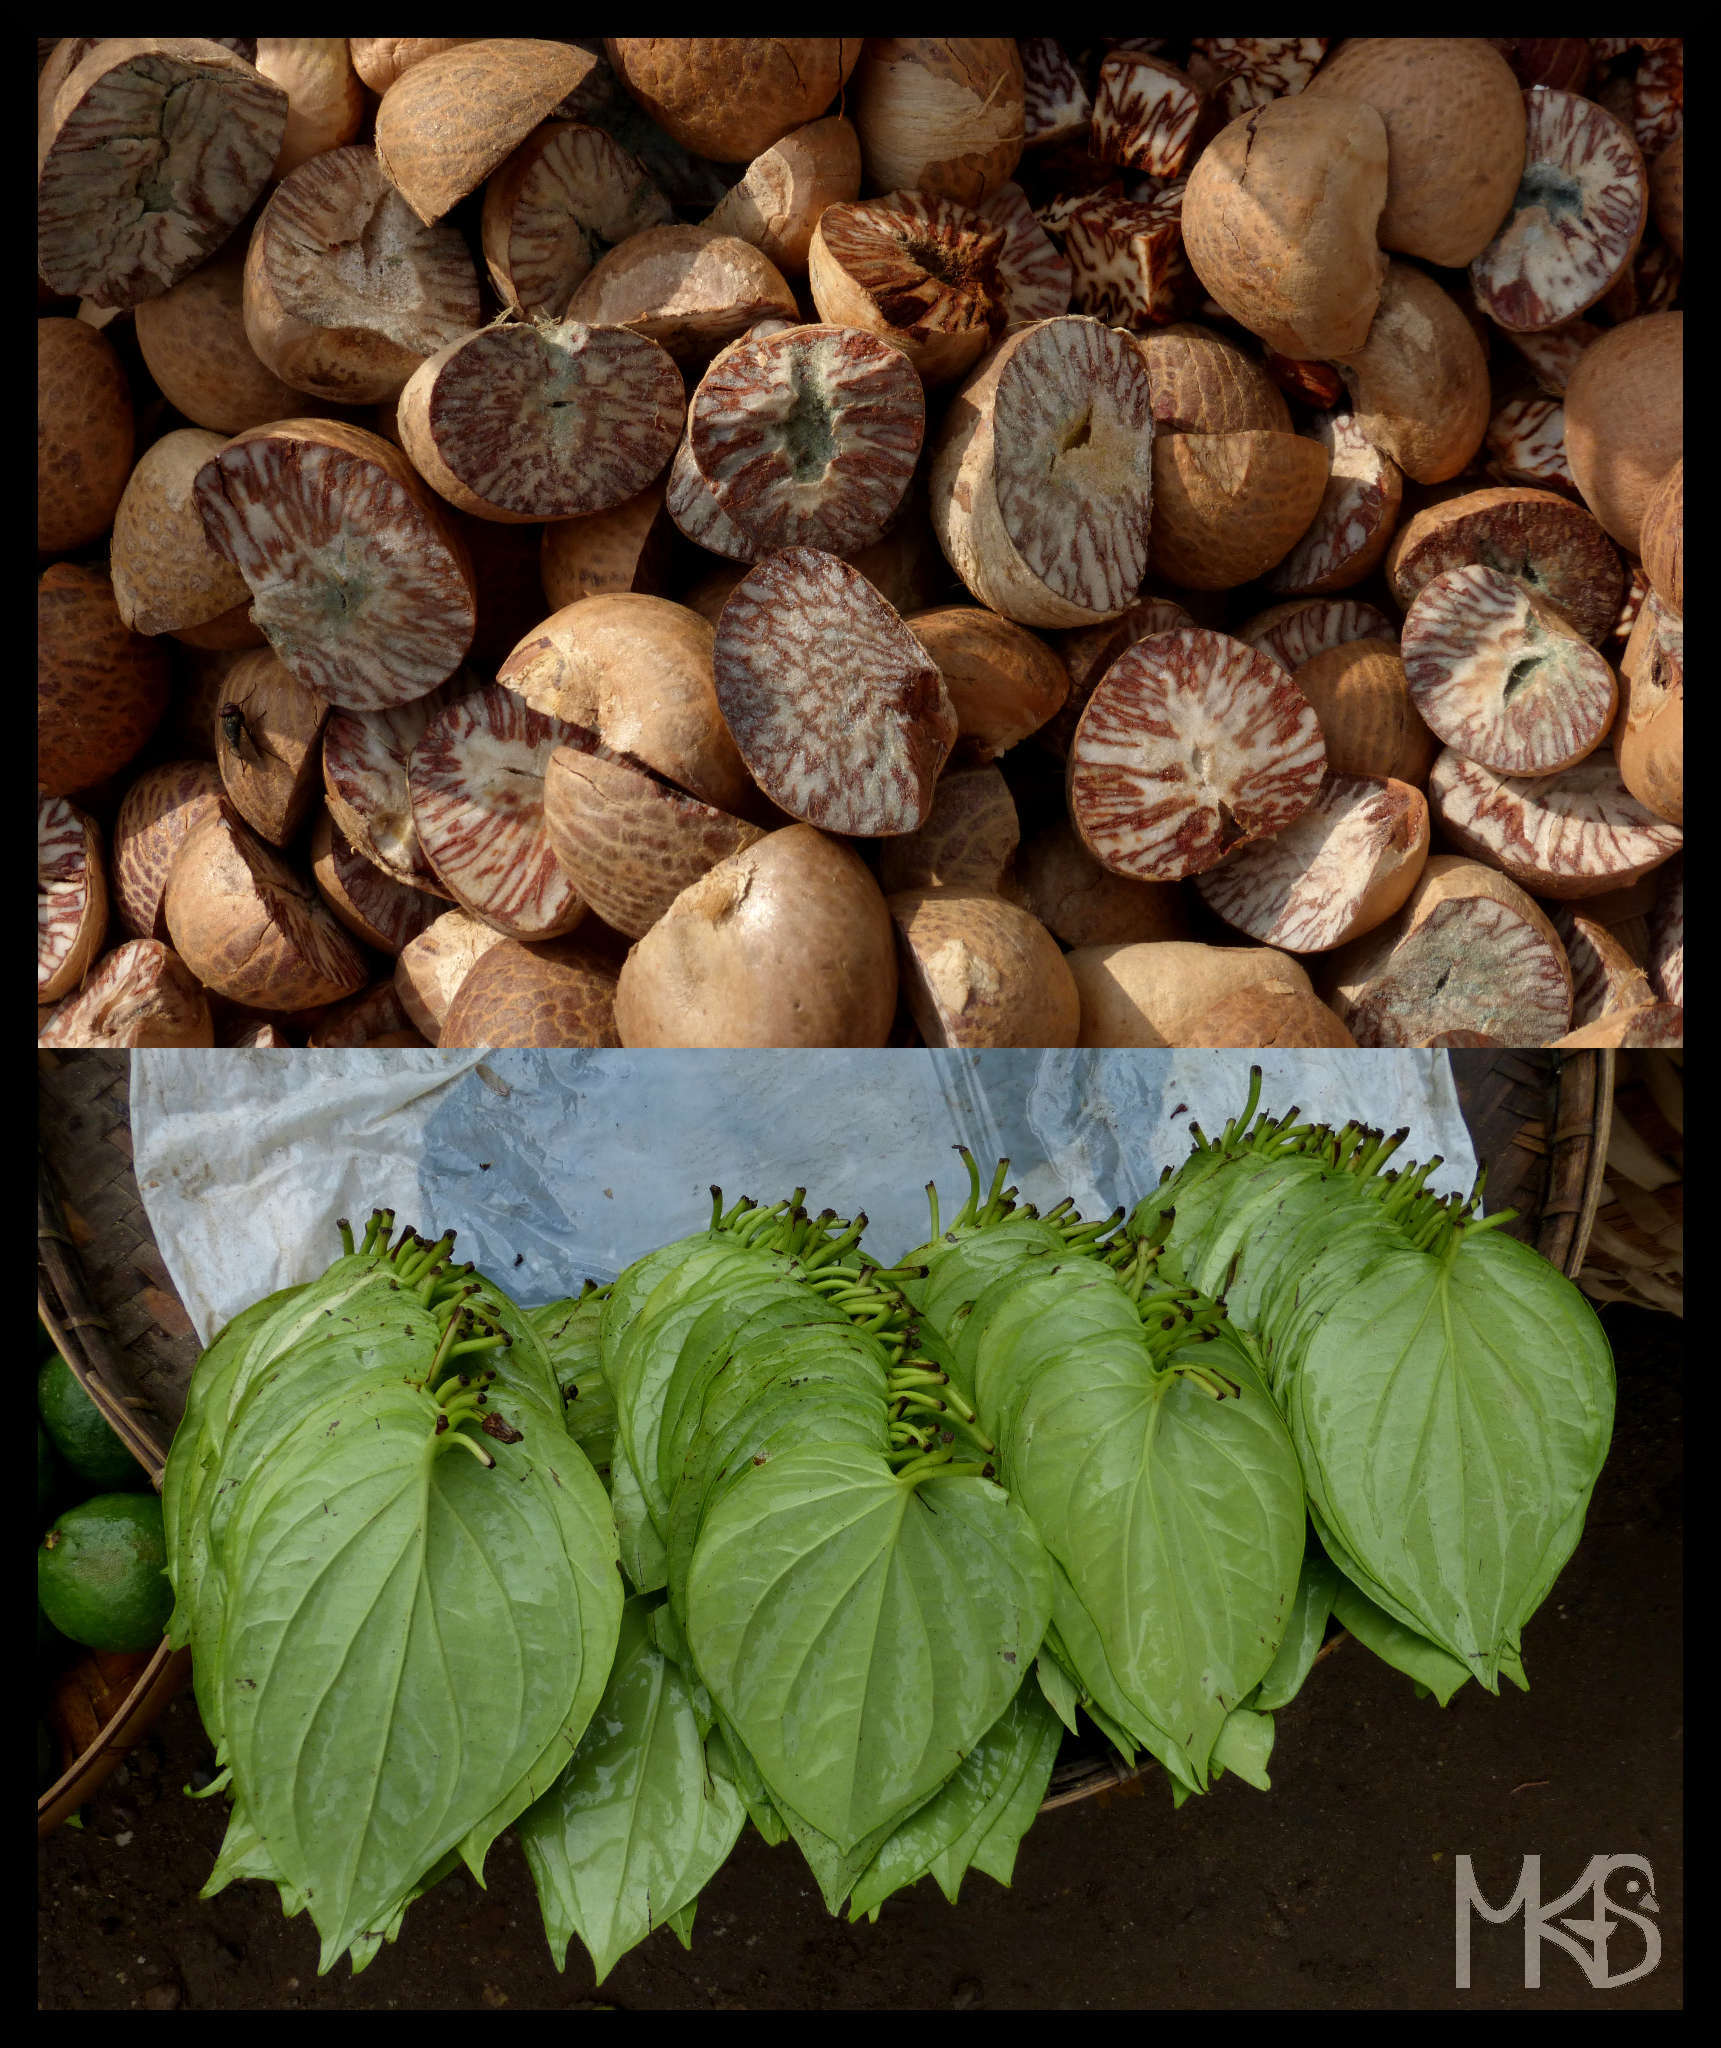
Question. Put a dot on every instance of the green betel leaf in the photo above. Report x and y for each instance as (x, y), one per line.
(1304, 1634)
(643, 1556)
(638, 1822)
(1179, 1520)
(413, 1644)
(862, 1632)
(1452, 1413)
(1244, 1746)
(1419, 1659)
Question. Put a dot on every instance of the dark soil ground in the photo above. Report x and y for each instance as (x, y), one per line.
(1334, 1890)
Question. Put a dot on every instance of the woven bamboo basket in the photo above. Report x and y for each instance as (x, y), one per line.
(1540, 1122)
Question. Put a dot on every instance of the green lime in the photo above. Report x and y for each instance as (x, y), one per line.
(80, 1431)
(47, 1475)
(99, 1573)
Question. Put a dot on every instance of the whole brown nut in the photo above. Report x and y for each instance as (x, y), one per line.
(100, 688)
(941, 114)
(1663, 537)
(730, 97)
(84, 434)
(978, 971)
(192, 339)
(1368, 721)
(1279, 222)
(166, 575)
(1625, 419)
(1419, 383)
(1454, 137)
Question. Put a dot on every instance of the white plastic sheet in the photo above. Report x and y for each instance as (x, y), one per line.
(556, 1166)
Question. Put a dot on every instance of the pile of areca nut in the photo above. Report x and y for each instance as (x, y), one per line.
(965, 542)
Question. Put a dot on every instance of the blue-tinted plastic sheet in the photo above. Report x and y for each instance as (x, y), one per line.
(559, 1166)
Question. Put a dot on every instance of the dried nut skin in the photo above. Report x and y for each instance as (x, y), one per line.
(1042, 477)
(1204, 384)
(565, 194)
(100, 688)
(1270, 1018)
(1296, 632)
(153, 152)
(942, 115)
(374, 1017)
(1573, 834)
(809, 437)
(729, 97)
(689, 289)
(1555, 548)
(431, 968)
(1625, 420)
(549, 421)
(1341, 869)
(374, 907)
(1468, 952)
(346, 290)
(140, 995)
(269, 746)
(193, 343)
(166, 574)
(1161, 993)
(777, 205)
(1369, 721)
(785, 943)
(1454, 138)
(838, 711)
(628, 841)
(1083, 904)
(1649, 738)
(476, 778)
(1190, 743)
(978, 971)
(155, 815)
(1279, 222)
(1663, 537)
(84, 435)
(1419, 383)
(71, 896)
(358, 581)
(447, 123)
(1227, 507)
(531, 995)
(325, 101)
(1575, 223)
(922, 273)
(252, 928)
(1357, 515)
(380, 60)
(623, 549)
(1501, 677)
(636, 672)
(1004, 682)
(969, 838)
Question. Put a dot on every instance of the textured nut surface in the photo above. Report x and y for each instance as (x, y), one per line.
(251, 927)
(969, 838)
(71, 896)
(777, 205)
(1468, 952)
(1502, 677)
(166, 574)
(978, 971)
(840, 714)
(1649, 737)
(808, 437)
(1653, 1024)
(1625, 419)
(431, 968)
(268, 745)
(1034, 277)
(546, 421)
(1356, 517)
(84, 434)
(1556, 549)
(1227, 507)
(364, 778)
(1419, 383)
(1663, 538)
(689, 289)
(476, 779)
(729, 97)
(1454, 137)
(142, 994)
(1090, 651)
(1269, 1017)
(623, 549)
(533, 995)
(1342, 867)
(152, 153)
(941, 114)
(568, 192)
(1605, 977)
(100, 688)
(193, 343)
(1083, 904)
(157, 812)
(1369, 721)
(1279, 222)
(1204, 384)
(923, 273)
(446, 124)
(785, 943)
(1666, 956)
(1126, 256)
(346, 289)
(374, 907)
(636, 672)
(1003, 681)
(1162, 993)
(357, 580)
(629, 841)
(1573, 834)
(1191, 743)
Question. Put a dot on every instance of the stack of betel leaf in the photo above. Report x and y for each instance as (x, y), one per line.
(885, 1531)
